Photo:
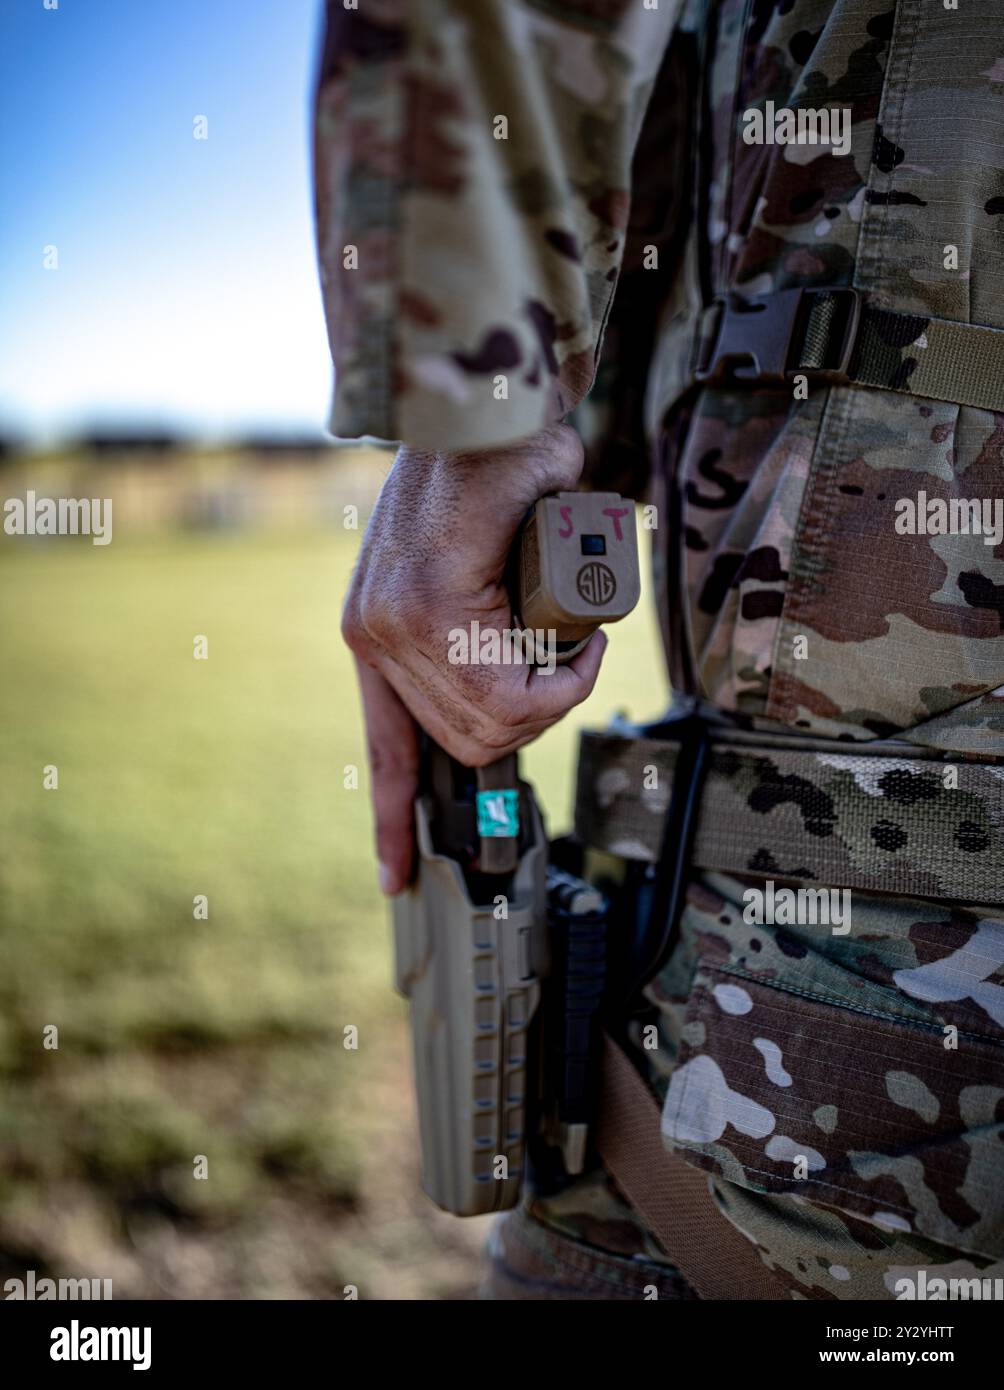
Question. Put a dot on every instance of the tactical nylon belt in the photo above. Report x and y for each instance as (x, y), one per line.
(837, 336)
(875, 822)
(672, 1197)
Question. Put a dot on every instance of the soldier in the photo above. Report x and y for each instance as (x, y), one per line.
(546, 221)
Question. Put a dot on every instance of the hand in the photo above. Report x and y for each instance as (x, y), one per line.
(432, 560)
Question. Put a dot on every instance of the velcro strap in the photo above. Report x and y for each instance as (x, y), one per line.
(935, 358)
(876, 822)
(836, 335)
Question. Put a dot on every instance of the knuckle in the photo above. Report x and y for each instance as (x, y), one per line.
(353, 631)
(566, 453)
(381, 616)
(568, 443)
(483, 753)
(465, 748)
(498, 737)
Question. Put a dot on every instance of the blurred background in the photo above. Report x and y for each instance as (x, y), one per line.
(162, 345)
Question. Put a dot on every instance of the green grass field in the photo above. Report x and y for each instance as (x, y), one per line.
(180, 1037)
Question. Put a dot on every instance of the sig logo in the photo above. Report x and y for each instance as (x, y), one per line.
(596, 583)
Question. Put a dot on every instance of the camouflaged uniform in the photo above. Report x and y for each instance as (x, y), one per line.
(577, 259)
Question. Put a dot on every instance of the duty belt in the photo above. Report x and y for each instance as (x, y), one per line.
(894, 821)
(692, 794)
(836, 335)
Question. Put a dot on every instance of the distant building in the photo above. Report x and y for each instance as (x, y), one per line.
(114, 444)
(269, 448)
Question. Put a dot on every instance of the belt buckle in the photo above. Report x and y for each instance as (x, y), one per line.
(759, 340)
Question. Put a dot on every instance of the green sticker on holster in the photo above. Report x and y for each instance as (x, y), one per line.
(498, 814)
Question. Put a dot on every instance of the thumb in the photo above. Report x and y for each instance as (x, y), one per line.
(392, 742)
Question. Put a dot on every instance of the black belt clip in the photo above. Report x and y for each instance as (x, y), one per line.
(661, 896)
(772, 338)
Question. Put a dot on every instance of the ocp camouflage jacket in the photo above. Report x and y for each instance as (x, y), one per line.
(524, 206)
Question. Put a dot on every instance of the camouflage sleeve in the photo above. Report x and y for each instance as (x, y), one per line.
(472, 187)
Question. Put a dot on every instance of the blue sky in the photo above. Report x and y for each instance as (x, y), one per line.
(186, 290)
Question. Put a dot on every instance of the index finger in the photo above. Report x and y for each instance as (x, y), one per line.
(393, 748)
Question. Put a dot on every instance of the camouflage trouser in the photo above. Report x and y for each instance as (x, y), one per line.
(846, 1092)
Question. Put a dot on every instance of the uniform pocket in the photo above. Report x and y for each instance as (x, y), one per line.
(782, 1091)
